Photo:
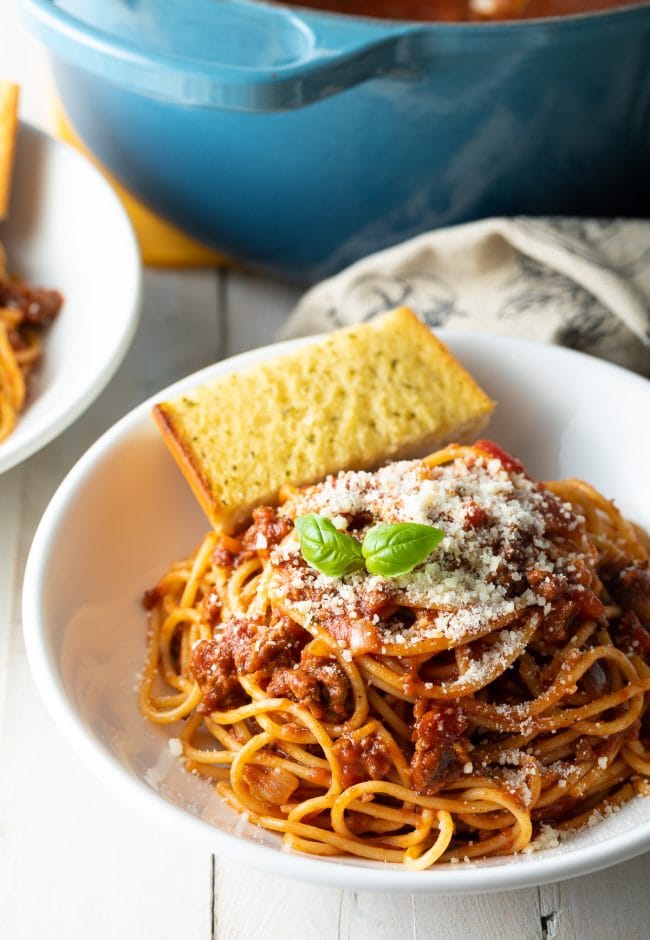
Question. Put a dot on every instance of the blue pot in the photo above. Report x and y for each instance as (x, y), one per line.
(298, 141)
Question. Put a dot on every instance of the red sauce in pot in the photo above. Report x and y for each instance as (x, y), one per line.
(463, 10)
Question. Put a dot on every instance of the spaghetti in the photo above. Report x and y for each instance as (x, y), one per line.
(490, 699)
(24, 312)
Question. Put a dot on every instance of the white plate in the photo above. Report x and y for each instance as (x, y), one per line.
(67, 230)
(124, 513)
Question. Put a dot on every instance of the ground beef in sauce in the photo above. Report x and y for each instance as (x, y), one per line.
(630, 635)
(552, 587)
(475, 516)
(244, 646)
(38, 305)
(568, 601)
(268, 529)
(630, 587)
(366, 759)
(213, 668)
(319, 683)
(441, 750)
(211, 608)
(151, 598)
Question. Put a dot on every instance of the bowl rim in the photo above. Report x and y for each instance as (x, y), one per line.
(64, 418)
(449, 880)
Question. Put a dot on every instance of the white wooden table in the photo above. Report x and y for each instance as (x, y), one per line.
(78, 864)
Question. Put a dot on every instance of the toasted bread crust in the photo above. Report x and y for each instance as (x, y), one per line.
(185, 456)
(354, 399)
(8, 131)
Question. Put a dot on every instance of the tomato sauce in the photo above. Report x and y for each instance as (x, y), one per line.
(446, 11)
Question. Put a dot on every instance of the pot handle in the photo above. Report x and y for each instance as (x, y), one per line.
(234, 54)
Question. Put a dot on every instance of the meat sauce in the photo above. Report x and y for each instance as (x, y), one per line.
(441, 750)
(267, 530)
(446, 11)
(247, 647)
(630, 588)
(276, 656)
(366, 759)
(38, 305)
(319, 683)
(282, 658)
(355, 626)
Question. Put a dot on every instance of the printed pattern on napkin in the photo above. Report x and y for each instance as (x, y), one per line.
(581, 283)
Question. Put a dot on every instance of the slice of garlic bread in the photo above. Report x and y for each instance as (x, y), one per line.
(353, 399)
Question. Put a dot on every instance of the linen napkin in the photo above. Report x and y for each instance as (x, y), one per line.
(581, 283)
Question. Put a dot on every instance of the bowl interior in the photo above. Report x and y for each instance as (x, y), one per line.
(67, 230)
(125, 513)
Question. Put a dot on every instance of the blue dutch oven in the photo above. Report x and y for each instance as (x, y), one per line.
(297, 140)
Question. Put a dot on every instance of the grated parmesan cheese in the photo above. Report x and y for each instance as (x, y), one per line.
(548, 838)
(476, 578)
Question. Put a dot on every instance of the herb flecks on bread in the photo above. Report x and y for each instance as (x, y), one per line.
(354, 399)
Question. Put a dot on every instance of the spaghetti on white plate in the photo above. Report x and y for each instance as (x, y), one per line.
(479, 704)
(24, 312)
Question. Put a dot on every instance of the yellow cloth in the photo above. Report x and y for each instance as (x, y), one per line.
(161, 243)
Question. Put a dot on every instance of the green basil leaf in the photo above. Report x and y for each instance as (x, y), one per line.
(325, 548)
(391, 550)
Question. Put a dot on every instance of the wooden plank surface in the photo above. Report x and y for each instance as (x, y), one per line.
(76, 862)
(512, 914)
(10, 513)
(251, 905)
(256, 308)
(614, 903)
(97, 867)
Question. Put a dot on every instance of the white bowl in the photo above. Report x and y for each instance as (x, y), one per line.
(67, 230)
(124, 513)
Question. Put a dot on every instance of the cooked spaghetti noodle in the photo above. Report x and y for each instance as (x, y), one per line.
(458, 711)
(24, 311)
